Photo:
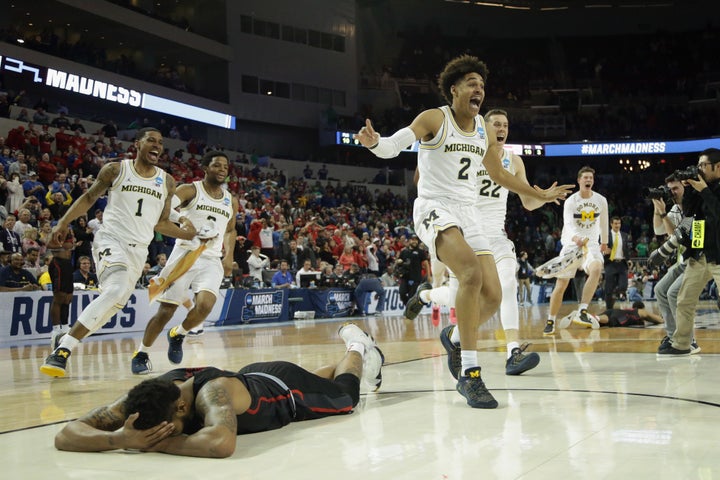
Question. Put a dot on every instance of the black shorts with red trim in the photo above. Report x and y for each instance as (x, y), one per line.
(61, 275)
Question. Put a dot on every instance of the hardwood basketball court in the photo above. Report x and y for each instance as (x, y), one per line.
(599, 405)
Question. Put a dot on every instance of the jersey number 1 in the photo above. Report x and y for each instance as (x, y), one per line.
(139, 210)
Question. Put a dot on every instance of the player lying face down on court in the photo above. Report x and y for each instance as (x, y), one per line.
(199, 412)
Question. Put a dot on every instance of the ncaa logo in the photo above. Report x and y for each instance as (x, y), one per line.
(158, 181)
(226, 201)
(506, 163)
(249, 300)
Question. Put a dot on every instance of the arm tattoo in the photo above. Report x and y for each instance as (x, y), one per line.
(214, 404)
(104, 418)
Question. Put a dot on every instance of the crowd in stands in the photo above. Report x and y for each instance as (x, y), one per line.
(644, 86)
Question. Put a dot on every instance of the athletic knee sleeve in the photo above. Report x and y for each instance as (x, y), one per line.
(509, 314)
(115, 292)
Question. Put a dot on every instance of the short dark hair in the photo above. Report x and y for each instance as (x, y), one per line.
(207, 158)
(671, 178)
(140, 134)
(154, 400)
(615, 217)
(713, 154)
(458, 68)
(638, 304)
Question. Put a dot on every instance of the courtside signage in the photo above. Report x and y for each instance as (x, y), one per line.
(110, 92)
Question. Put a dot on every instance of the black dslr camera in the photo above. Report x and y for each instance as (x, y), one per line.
(661, 192)
(689, 173)
(680, 236)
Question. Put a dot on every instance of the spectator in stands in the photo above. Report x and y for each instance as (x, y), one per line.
(388, 278)
(296, 256)
(23, 116)
(145, 277)
(23, 221)
(347, 258)
(84, 275)
(29, 240)
(40, 117)
(83, 238)
(44, 279)
(351, 276)
(11, 241)
(282, 278)
(4, 258)
(305, 270)
(61, 184)
(60, 121)
(15, 194)
(110, 130)
(256, 263)
(266, 236)
(160, 262)
(328, 278)
(76, 126)
(323, 172)
(34, 187)
(14, 278)
(308, 172)
(32, 262)
(96, 222)
(47, 171)
(58, 203)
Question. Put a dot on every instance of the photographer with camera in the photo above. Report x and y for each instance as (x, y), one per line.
(702, 202)
(665, 223)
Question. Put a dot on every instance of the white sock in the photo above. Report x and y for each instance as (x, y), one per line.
(357, 347)
(57, 328)
(510, 347)
(69, 342)
(552, 317)
(142, 347)
(180, 330)
(455, 335)
(439, 295)
(425, 296)
(469, 360)
(582, 306)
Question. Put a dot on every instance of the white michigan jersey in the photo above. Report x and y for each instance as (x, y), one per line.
(204, 209)
(448, 164)
(585, 217)
(491, 199)
(134, 205)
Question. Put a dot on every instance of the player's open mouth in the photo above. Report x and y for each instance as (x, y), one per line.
(476, 102)
(153, 154)
(500, 138)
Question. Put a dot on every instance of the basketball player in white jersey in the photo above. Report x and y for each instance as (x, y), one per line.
(139, 194)
(200, 202)
(453, 144)
(585, 225)
(491, 210)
